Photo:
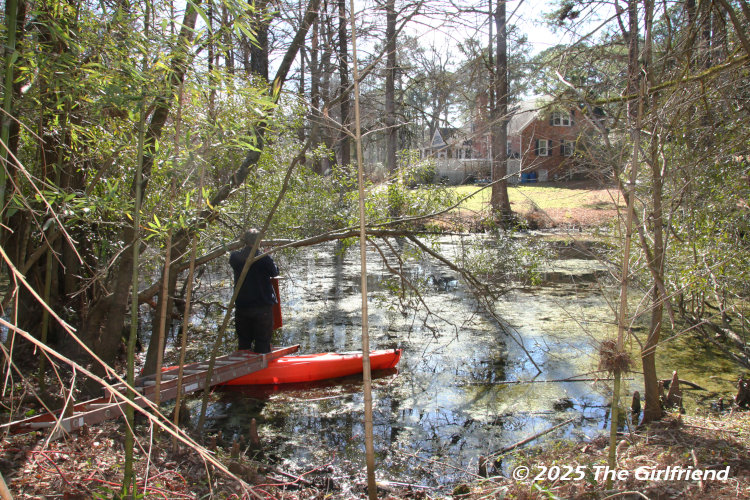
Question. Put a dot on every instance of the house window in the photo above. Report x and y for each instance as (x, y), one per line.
(561, 119)
(542, 147)
(508, 149)
(567, 148)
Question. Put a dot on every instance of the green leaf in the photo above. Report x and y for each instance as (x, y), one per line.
(200, 12)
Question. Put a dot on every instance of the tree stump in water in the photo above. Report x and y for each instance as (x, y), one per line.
(254, 438)
(674, 395)
(742, 399)
(635, 407)
(483, 466)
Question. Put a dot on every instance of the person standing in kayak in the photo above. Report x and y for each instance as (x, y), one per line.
(253, 310)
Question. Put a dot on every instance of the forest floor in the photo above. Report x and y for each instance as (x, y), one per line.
(89, 465)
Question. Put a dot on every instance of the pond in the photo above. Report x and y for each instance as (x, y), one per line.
(456, 394)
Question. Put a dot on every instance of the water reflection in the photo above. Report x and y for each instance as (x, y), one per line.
(448, 401)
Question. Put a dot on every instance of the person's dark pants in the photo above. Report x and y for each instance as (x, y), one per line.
(254, 328)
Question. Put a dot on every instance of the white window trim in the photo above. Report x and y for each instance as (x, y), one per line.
(569, 147)
(543, 151)
(561, 119)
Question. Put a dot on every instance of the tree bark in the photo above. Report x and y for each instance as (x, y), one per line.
(315, 116)
(652, 409)
(259, 50)
(390, 87)
(102, 328)
(344, 138)
(326, 34)
(499, 117)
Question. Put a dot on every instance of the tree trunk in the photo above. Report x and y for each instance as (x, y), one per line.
(301, 132)
(315, 115)
(103, 326)
(226, 24)
(499, 200)
(15, 19)
(653, 408)
(390, 86)
(259, 50)
(328, 135)
(344, 141)
(179, 247)
(182, 239)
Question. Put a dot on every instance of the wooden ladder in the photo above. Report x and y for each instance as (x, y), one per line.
(109, 406)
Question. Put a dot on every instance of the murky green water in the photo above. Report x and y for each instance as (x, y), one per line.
(447, 404)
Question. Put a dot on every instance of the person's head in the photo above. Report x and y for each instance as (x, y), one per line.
(250, 237)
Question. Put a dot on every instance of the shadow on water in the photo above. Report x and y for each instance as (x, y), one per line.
(451, 401)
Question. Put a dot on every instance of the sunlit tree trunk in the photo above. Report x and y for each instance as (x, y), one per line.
(344, 140)
(390, 87)
(499, 117)
(315, 115)
(328, 133)
(652, 409)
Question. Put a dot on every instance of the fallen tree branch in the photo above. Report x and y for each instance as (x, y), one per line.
(668, 381)
(559, 380)
(531, 438)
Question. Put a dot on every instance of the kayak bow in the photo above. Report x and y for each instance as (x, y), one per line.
(311, 367)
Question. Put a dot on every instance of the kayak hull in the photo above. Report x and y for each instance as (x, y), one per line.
(321, 366)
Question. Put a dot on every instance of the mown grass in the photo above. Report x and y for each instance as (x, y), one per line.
(544, 197)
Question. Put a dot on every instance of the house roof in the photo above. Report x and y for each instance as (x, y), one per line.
(525, 112)
(443, 136)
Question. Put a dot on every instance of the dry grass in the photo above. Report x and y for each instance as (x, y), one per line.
(688, 442)
(580, 204)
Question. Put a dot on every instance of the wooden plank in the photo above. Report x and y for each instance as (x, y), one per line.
(111, 406)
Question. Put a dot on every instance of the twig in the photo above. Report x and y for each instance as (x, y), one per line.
(713, 429)
(443, 464)
(624, 493)
(4, 491)
(404, 485)
(530, 438)
(570, 379)
(299, 478)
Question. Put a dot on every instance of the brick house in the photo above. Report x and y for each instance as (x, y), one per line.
(541, 140)
(541, 144)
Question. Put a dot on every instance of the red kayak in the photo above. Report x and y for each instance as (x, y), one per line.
(311, 367)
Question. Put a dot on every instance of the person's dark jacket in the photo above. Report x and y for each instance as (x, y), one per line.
(256, 289)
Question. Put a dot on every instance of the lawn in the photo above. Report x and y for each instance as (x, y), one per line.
(552, 205)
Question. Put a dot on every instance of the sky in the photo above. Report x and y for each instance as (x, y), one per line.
(526, 14)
